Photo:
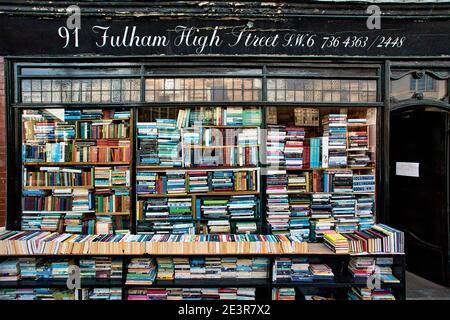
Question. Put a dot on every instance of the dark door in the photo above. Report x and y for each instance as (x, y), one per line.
(419, 205)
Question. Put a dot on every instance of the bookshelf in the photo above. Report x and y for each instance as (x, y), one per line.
(320, 170)
(180, 274)
(211, 184)
(298, 170)
(76, 166)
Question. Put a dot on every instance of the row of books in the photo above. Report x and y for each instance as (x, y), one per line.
(112, 176)
(198, 227)
(70, 114)
(159, 143)
(166, 227)
(219, 116)
(36, 269)
(191, 294)
(149, 182)
(358, 293)
(199, 268)
(103, 129)
(282, 293)
(377, 239)
(36, 294)
(363, 268)
(38, 242)
(233, 207)
(300, 270)
(333, 181)
(57, 176)
(221, 156)
(81, 151)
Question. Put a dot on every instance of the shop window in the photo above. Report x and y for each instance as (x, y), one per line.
(321, 90)
(202, 89)
(80, 90)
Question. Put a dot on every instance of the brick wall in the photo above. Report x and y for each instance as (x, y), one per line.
(2, 145)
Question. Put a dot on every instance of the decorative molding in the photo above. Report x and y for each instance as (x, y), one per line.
(418, 74)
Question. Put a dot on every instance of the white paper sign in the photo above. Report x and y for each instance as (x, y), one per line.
(407, 169)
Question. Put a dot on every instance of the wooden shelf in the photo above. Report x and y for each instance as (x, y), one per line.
(223, 127)
(185, 169)
(125, 213)
(56, 187)
(222, 147)
(212, 193)
(60, 164)
(316, 169)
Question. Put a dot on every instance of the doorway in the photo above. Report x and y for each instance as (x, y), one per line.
(419, 188)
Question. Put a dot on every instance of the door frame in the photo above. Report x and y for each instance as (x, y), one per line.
(413, 104)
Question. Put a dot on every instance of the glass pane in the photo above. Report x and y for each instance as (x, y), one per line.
(327, 90)
(80, 90)
(408, 87)
(76, 170)
(203, 89)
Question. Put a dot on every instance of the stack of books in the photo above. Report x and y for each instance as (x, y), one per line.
(27, 268)
(101, 268)
(321, 272)
(101, 294)
(180, 208)
(173, 228)
(358, 143)
(214, 208)
(9, 270)
(73, 222)
(242, 207)
(283, 293)
(166, 269)
(251, 117)
(147, 134)
(278, 213)
(222, 181)
(60, 269)
(156, 208)
(198, 181)
(192, 294)
(336, 242)
(299, 206)
(299, 182)
(169, 138)
(219, 226)
(115, 176)
(246, 227)
(300, 270)
(36, 294)
(141, 271)
(357, 293)
(234, 116)
(277, 181)
(334, 144)
(50, 221)
(146, 182)
(364, 212)
(276, 136)
(175, 183)
(293, 150)
(343, 209)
